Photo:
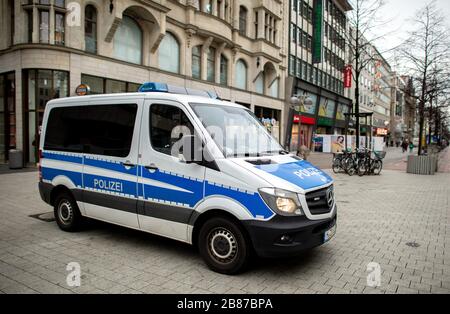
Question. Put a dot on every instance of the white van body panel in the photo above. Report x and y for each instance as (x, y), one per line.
(165, 195)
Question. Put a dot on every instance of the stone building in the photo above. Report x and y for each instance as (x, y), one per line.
(49, 47)
(317, 58)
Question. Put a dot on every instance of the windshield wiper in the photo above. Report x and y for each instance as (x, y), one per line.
(279, 152)
(247, 155)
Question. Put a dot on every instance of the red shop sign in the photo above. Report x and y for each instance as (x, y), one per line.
(304, 120)
(348, 76)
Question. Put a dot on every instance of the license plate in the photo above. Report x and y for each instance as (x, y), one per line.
(329, 234)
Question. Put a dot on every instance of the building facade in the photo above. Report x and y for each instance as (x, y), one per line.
(410, 108)
(375, 93)
(317, 54)
(49, 47)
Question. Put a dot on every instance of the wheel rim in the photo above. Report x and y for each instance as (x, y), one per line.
(65, 212)
(222, 245)
(378, 167)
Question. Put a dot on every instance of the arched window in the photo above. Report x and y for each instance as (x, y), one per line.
(274, 88)
(211, 64)
(259, 83)
(196, 62)
(242, 21)
(169, 54)
(223, 70)
(128, 41)
(90, 29)
(241, 75)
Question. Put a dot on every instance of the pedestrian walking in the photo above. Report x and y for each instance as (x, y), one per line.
(404, 146)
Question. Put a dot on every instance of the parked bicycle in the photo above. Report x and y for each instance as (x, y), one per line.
(371, 165)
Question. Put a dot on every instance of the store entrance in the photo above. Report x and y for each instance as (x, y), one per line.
(7, 115)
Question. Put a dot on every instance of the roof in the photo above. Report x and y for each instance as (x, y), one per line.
(82, 100)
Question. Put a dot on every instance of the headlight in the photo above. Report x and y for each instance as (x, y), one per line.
(281, 201)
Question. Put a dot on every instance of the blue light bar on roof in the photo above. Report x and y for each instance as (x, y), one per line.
(152, 87)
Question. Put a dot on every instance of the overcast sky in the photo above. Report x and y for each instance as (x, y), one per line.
(399, 13)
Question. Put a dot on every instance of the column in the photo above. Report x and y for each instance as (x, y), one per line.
(52, 25)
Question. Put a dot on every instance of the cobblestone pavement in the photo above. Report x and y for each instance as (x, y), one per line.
(378, 216)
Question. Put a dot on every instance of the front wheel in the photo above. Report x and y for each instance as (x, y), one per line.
(377, 167)
(223, 246)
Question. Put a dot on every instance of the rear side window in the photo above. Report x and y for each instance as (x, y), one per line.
(101, 130)
(163, 120)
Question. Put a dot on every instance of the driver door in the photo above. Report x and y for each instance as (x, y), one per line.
(169, 188)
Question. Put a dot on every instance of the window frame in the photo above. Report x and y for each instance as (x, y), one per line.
(150, 124)
(83, 150)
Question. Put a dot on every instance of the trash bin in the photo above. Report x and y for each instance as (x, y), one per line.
(15, 159)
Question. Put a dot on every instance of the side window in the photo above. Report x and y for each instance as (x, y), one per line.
(163, 120)
(101, 130)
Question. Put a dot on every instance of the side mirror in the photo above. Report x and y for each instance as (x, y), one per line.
(192, 149)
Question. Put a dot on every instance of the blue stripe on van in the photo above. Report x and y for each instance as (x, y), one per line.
(253, 202)
(113, 166)
(66, 158)
(110, 184)
(49, 174)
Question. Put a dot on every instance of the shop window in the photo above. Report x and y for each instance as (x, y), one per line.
(7, 115)
(41, 87)
(270, 118)
(169, 54)
(113, 86)
(90, 29)
(128, 41)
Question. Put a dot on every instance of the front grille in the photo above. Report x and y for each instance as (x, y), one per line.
(318, 203)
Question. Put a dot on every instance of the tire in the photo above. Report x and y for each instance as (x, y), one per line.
(337, 165)
(362, 168)
(67, 213)
(377, 167)
(224, 246)
(349, 166)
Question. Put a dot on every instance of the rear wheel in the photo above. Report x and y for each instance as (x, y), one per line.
(223, 246)
(350, 167)
(377, 167)
(337, 164)
(67, 213)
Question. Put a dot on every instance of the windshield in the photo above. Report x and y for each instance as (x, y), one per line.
(237, 131)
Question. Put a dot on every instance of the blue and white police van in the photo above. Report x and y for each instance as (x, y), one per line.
(110, 158)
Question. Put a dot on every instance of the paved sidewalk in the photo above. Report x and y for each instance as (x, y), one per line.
(444, 161)
(378, 216)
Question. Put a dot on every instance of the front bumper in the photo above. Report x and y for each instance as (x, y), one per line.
(302, 233)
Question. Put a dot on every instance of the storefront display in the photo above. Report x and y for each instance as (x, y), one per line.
(41, 87)
(7, 115)
(271, 120)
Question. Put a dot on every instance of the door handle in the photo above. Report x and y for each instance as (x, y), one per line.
(128, 165)
(152, 168)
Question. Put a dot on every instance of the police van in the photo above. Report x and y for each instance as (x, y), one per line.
(229, 189)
